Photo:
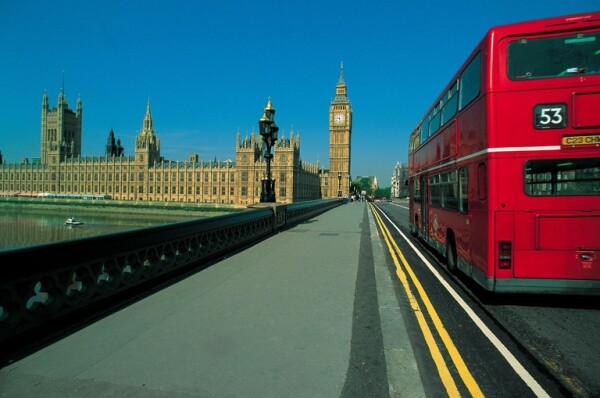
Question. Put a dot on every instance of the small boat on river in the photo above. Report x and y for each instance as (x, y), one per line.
(73, 221)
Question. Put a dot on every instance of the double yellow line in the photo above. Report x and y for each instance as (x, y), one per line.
(402, 269)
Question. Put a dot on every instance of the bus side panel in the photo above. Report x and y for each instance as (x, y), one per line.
(440, 148)
(472, 134)
(414, 208)
(478, 219)
(557, 245)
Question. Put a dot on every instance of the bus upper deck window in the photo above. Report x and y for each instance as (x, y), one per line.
(556, 56)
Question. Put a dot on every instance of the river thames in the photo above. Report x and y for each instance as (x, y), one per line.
(28, 227)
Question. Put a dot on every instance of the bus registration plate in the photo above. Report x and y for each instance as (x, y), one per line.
(574, 140)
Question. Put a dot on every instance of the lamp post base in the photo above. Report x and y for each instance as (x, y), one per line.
(267, 194)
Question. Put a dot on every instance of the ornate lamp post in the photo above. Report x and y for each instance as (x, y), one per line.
(339, 185)
(268, 132)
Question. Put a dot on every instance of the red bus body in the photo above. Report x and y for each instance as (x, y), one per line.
(507, 185)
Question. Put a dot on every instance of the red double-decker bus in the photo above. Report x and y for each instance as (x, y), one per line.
(504, 168)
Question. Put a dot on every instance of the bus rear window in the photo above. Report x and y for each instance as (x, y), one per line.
(562, 177)
(557, 56)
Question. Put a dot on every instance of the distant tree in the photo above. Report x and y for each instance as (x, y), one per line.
(383, 192)
(364, 184)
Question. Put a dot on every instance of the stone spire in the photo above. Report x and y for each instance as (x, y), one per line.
(147, 127)
(340, 88)
(341, 81)
(147, 144)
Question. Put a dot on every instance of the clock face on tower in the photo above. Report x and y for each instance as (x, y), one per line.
(339, 118)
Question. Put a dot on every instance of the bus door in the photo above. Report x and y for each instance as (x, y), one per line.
(424, 208)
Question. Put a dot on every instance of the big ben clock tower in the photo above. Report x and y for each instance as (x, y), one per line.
(340, 131)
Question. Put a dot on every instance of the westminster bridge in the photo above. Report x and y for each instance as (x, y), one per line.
(257, 303)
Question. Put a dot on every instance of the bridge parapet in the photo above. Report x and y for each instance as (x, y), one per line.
(45, 289)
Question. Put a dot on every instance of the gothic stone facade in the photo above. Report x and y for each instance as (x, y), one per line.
(147, 176)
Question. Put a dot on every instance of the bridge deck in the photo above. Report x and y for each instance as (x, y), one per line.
(310, 312)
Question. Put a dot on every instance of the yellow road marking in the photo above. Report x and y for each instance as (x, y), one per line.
(459, 363)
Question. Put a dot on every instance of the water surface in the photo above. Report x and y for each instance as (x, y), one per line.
(28, 227)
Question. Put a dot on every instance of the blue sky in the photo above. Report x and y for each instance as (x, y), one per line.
(208, 68)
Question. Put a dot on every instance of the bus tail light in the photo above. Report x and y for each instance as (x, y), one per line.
(504, 254)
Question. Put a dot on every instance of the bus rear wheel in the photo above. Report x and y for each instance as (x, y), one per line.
(451, 253)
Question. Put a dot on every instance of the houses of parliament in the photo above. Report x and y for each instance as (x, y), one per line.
(61, 170)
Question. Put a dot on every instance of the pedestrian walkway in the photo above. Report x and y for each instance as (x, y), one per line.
(300, 314)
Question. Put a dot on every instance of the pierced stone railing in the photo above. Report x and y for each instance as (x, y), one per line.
(45, 289)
